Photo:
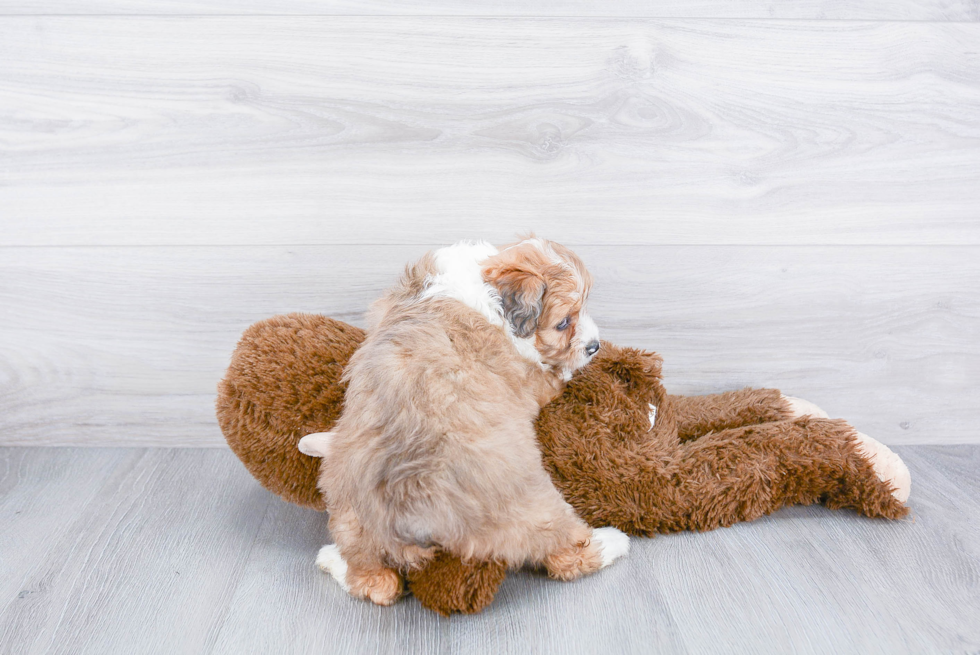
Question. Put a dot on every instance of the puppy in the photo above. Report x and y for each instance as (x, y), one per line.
(436, 447)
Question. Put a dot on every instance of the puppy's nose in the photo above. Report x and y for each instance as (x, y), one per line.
(592, 348)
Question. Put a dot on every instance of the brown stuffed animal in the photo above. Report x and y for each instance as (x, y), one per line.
(705, 462)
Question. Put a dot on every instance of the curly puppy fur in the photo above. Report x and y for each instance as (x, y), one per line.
(435, 446)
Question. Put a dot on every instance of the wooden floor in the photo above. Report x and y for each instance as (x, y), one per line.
(132, 550)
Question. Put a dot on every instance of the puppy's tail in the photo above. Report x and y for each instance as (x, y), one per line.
(316, 444)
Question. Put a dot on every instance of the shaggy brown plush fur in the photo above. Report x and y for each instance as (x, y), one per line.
(696, 416)
(284, 383)
(436, 441)
(614, 469)
(708, 461)
(448, 585)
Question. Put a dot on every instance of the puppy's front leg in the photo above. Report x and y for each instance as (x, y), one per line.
(599, 550)
(558, 538)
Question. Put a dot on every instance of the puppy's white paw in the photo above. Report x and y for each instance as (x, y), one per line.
(888, 466)
(316, 444)
(330, 561)
(800, 407)
(612, 544)
(653, 415)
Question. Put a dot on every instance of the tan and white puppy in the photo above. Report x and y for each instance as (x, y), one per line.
(436, 444)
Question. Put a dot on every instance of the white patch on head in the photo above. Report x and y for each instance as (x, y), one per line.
(545, 248)
(459, 276)
(612, 544)
(330, 561)
(586, 331)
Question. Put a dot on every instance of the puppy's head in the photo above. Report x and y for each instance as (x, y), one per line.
(543, 288)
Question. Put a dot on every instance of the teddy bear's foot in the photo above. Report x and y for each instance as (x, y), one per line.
(800, 407)
(316, 444)
(380, 585)
(888, 466)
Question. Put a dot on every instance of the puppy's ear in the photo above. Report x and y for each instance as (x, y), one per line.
(521, 290)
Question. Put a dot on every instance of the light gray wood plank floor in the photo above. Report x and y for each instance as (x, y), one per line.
(180, 551)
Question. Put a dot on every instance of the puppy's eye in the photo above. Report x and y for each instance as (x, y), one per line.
(564, 324)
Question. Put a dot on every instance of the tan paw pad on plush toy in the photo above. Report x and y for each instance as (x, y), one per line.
(888, 466)
(316, 444)
(800, 407)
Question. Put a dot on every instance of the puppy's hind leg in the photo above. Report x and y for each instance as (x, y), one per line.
(355, 563)
(367, 581)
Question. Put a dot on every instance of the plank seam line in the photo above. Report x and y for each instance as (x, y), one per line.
(574, 244)
(624, 17)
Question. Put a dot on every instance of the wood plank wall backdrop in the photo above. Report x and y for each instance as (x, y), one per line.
(781, 194)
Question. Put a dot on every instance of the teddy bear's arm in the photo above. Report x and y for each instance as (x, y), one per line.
(698, 415)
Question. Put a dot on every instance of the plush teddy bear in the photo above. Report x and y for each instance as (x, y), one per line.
(621, 450)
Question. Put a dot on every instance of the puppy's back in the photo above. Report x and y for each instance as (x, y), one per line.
(436, 413)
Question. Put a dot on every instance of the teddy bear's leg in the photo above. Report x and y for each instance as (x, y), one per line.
(446, 584)
(888, 466)
(700, 415)
(743, 473)
(355, 563)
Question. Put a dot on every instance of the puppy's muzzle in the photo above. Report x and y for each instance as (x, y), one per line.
(592, 347)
